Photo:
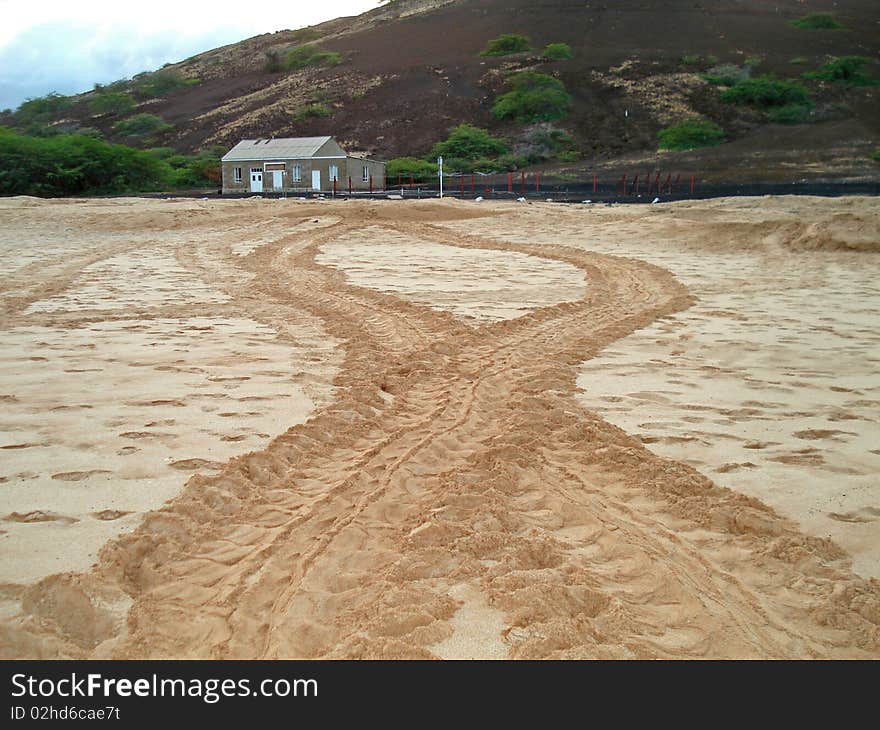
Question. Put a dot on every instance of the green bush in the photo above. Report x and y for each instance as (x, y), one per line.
(310, 55)
(816, 21)
(141, 125)
(766, 91)
(558, 51)
(74, 165)
(798, 61)
(41, 109)
(790, 114)
(407, 167)
(312, 111)
(690, 134)
(875, 154)
(534, 97)
(467, 142)
(161, 83)
(847, 70)
(506, 44)
(111, 102)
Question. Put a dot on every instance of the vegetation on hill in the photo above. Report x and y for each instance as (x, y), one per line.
(507, 44)
(111, 102)
(142, 125)
(310, 55)
(534, 97)
(846, 70)
(767, 91)
(817, 21)
(690, 134)
(557, 52)
(160, 83)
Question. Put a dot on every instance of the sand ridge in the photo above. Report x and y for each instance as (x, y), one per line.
(454, 474)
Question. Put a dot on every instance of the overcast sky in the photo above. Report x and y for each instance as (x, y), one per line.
(69, 45)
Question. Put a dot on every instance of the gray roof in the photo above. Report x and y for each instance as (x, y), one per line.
(284, 148)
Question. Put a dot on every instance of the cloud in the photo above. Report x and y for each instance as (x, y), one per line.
(69, 46)
(69, 58)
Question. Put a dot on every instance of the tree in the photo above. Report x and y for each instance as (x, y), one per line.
(534, 97)
(467, 142)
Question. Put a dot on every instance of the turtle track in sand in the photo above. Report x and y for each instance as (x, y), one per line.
(455, 472)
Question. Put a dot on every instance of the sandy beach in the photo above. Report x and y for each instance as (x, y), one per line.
(339, 429)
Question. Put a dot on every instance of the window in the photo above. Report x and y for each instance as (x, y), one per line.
(334, 172)
(297, 173)
(236, 174)
(366, 173)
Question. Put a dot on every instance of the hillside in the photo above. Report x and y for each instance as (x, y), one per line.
(410, 70)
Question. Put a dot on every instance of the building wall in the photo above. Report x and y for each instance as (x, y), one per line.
(347, 167)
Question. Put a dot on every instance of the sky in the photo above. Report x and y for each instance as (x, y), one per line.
(69, 45)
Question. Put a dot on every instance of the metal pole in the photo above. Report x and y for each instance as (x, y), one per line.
(440, 171)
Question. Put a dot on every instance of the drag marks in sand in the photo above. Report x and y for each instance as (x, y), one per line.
(454, 498)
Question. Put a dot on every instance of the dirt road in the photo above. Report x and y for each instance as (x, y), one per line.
(451, 499)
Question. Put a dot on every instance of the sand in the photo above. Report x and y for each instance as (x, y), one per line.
(266, 429)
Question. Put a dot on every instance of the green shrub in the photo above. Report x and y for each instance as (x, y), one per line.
(73, 164)
(816, 21)
(798, 61)
(766, 91)
(875, 154)
(846, 70)
(467, 142)
(312, 111)
(506, 44)
(141, 125)
(534, 97)
(407, 167)
(569, 156)
(161, 83)
(790, 114)
(690, 134)
(558, 51)
(41, 109)
(310, 55)
(511, 162)
(753, 61)
(691, 60)
(111, 102)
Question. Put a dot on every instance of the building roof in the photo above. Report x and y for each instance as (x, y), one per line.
(284, 148)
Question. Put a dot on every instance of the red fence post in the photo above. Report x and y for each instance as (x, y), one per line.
(636, 184)
(693, 183)
(473, 185)
(657, 182)
(509, 182)
(668, 184)
(349, 185)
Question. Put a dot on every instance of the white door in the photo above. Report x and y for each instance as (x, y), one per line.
(277, 179)
(316, 179)
(256, 181)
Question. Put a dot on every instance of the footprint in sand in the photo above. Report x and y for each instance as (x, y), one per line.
(865, 514)
(109, 514)
(193, 464)
(39, 516)
(78, 476)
